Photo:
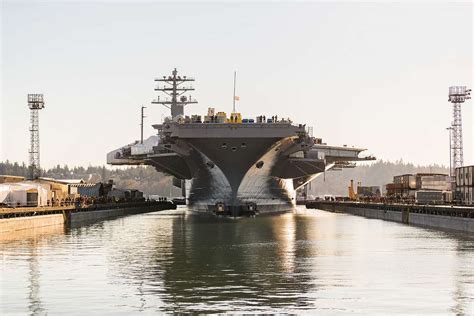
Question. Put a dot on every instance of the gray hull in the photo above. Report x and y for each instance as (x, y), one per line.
(237, 173)
(237, 168)
(234, 165)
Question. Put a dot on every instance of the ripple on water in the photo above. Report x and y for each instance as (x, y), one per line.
(179, 262)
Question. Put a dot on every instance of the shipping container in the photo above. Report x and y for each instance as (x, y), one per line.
(471, 196)
(465, 176)
(447, 196)
(368, 191)
(470, 177)
(429, 197)
(429, 181)
(407, 180)
(466, 195)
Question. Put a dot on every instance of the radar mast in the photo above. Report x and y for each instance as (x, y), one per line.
(174, 87)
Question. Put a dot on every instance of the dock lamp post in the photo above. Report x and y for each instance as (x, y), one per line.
(450, 157)
(141, 124)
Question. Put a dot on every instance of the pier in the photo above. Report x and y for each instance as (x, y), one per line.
(448, 217)
(13, 219)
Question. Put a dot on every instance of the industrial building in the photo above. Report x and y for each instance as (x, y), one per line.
(11, 179)
(26, 193)
(16, 192)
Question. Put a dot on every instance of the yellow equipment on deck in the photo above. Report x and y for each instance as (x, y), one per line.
(352, 194)
(235, 118)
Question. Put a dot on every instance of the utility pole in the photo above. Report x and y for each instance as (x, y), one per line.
(141, 125)
(452, 178)
(450, 158)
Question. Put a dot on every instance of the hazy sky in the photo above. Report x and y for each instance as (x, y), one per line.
(367, 74)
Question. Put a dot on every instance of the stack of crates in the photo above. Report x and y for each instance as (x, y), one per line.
(406, 184)
(465, 184)
(432, 181)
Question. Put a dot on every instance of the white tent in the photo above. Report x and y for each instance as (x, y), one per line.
(23, 194)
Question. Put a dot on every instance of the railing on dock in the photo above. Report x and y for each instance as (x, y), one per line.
(455, 211)
(49, 210)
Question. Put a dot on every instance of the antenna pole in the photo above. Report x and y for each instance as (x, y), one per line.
(174, 87)
(233, 107)
(141, 125)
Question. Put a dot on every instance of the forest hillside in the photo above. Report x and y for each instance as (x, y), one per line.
(148, 180)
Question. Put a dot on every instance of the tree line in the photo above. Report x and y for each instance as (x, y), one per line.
(149, 181)
(378, 173)
(143, 178)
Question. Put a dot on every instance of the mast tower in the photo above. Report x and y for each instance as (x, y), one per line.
(457, 96)
(35, 103)
(174, 87)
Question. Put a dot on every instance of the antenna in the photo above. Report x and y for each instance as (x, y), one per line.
(233, 104)
(172, 86)
(141, 125)
(35, 103)
(457, 96)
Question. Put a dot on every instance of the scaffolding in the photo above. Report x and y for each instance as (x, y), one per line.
(35, 103)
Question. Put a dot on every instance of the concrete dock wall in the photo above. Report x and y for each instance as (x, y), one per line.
(461, 224)
(20, 223)
(444, 222)
(74, 217)
(385, 215)
(93, 216)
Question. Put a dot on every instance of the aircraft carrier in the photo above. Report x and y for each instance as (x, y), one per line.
(232, 165)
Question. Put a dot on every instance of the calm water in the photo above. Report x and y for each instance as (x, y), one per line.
(302, 262)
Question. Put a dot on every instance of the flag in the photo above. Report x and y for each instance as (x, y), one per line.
(236, 98)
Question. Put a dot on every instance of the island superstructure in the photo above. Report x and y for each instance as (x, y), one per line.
(233, 165)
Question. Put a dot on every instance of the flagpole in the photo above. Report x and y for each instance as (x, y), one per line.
(233, 107)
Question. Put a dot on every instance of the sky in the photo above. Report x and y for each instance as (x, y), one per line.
(366, 74)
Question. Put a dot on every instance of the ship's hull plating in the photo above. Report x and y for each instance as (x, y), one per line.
(235, 168)
(234, 165)
(236, 174)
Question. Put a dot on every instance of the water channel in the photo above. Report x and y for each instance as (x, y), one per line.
(176, 261)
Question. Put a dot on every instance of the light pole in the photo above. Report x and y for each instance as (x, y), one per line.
(141, 125)
(450, 154)
(450, 159)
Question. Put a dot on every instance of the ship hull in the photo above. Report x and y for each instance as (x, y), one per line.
(236, 169)
(233, 176)
(234, 165)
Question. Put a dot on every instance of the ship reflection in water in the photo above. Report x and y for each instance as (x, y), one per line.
(296, 262)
